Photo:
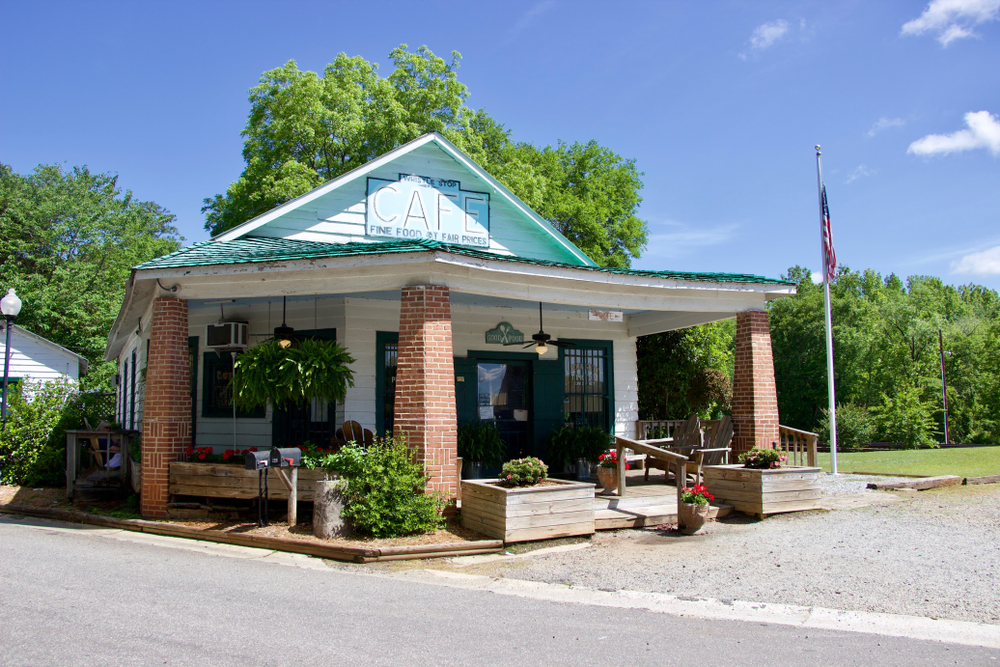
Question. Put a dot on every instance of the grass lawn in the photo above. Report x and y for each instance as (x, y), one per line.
(970, 462)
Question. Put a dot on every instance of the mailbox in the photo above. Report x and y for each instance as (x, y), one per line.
(257, 461)
(283, 457)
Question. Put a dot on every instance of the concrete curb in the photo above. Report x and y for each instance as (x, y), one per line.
(340, 553)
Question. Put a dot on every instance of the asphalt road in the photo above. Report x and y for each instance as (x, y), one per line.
(74, 595)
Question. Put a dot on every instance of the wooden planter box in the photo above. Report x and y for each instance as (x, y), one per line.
(763, 492)
(527, 513)
(232, 481)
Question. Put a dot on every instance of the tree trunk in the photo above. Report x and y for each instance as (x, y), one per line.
(327, 506)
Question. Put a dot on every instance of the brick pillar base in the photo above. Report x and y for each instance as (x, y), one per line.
(166, 417)
(755, 399)
(425, 385)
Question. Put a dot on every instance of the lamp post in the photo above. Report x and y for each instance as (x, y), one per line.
(10, 306)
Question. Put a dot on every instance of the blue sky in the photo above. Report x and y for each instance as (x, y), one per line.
(719, 103)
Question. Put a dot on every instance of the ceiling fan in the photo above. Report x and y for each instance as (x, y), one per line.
(541, 340)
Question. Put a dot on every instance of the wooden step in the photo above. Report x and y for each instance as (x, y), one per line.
(649, 515)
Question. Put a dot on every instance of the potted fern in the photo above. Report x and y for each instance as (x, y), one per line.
(479, 445)
(309, 368)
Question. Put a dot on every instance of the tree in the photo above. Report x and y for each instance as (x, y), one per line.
(68, 241)
(305, 129)
(686, 371)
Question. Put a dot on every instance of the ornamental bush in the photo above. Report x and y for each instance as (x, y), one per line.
(480, 441)
(855, 426)
(383, 489)
(523, 472)
(33, 441)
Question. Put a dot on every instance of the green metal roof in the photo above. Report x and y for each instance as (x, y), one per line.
(251, 249)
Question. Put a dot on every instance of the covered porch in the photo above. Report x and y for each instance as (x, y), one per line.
(421, 321)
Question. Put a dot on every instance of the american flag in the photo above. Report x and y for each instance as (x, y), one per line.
(829, 256)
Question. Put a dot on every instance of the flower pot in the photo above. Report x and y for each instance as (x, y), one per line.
(608, 477)
(582, 469)
(692, 517)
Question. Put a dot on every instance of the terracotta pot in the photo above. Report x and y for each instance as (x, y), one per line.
(692, 517)
(608, 477)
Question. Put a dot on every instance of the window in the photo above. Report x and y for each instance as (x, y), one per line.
(387, 352)
(217, 395)
(587, 386)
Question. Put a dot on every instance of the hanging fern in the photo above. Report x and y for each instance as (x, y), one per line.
(308, 369)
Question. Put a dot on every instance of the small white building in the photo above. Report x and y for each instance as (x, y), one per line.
(38, 358)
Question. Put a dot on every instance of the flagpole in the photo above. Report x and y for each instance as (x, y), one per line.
(829, 319)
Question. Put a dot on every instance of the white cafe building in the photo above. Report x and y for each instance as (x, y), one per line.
(422, 266)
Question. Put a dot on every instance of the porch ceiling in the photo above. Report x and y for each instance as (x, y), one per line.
(651, 302)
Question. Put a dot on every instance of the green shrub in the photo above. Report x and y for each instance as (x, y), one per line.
(384, 489)
(570, 443)
(33, 440)
(906, 420)
(855, 426)
(480, 441)
(523, 472)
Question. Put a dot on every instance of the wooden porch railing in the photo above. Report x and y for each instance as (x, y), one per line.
(799, 446)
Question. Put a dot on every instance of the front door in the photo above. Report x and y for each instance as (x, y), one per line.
(504, 397)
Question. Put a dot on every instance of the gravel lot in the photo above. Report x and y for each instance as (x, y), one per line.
(934, 553)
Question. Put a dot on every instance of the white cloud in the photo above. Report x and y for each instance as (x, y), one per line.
(884, 123)
(817, 277)
(983, 132)
(984, 263)
(858, 172)
(953, 19)
(528, 17)
(675, 239)
(767, 34)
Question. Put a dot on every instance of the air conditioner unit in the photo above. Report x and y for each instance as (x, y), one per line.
(228, 335)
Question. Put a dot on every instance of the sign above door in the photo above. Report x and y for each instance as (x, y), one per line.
(422, 207)
(503, 334)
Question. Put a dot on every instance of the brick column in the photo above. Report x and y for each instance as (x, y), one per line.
(425, 385)
(166, 417)
(755, 399)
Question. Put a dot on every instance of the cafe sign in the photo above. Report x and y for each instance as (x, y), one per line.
(421, 207)
(503, 334)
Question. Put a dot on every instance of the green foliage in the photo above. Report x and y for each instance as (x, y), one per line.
(384, 490)
(33, 440)
(480, 441)
(68, 242)
(855, 426)
(687, 371)
(305, 129)
(885, 339)
(523, 472)
(310, 368)
(570, 443)
(762, 459)
(135, 449)
(906, 419)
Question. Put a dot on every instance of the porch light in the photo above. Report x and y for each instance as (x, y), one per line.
(541, 348)
(283, 334)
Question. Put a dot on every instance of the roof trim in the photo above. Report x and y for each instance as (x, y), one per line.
(431, 137)
(252, 250)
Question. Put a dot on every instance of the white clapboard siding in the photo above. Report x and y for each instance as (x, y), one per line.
(357, 320)
(339, 216)
(35, 357)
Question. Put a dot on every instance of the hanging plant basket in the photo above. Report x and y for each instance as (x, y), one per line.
(309, 368)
